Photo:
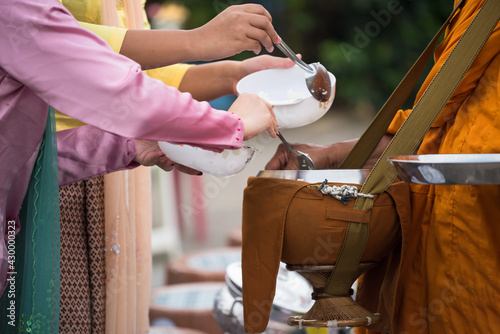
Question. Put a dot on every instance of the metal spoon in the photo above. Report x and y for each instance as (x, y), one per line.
(317, 78)
(305, 162)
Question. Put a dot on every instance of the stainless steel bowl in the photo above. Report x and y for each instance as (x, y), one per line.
(474, 169)
(293, 297)
(319, 175)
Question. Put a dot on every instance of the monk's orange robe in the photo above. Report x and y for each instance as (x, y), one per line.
(449, 280)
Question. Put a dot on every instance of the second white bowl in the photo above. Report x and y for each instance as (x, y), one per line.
(286, 90)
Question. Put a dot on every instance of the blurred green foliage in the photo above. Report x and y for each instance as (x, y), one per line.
(370, 45)
(367, 44)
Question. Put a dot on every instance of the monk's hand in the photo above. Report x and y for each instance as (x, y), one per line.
(284, 159)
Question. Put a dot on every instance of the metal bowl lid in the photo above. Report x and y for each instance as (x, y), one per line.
(448, 168)
(214, 260)
(319, 175)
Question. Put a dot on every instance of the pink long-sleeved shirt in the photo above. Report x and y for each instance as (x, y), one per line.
(47, 58)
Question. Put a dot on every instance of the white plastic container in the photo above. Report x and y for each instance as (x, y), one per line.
(286, 90)
(224, 164)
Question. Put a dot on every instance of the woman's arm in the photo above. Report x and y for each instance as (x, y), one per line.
(86, 152)
(205, 82)
(209, 81)
(77, 73)
(236, 29)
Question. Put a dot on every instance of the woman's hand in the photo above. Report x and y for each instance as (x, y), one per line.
(207, 82)
(148, 153)
(283, 159)
(236, 29)
(257, 115)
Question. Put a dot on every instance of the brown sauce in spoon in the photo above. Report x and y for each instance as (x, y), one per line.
(321, 85)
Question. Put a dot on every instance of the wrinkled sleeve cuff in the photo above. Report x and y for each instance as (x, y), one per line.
(170, 75)
(397, 121)
(87, 152)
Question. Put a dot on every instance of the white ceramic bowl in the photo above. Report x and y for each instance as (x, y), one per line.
(224, 164)
(286, 90)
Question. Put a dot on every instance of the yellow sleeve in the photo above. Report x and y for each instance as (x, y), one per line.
(112, 35)
(170, 75)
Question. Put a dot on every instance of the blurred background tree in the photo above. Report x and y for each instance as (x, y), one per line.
(367, 44)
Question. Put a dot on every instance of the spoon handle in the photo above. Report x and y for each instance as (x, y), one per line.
(290, 54)
(305, 162)
(290, 148)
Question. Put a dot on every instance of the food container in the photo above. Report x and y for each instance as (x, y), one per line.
(448, 168)
(293, 296)
(293, 106)
(286, 90)
(319, 175)
(173, 330)
(202, 266)
(186, 305)
(224, 164)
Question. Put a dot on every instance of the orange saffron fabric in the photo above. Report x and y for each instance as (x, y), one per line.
(449, 274)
